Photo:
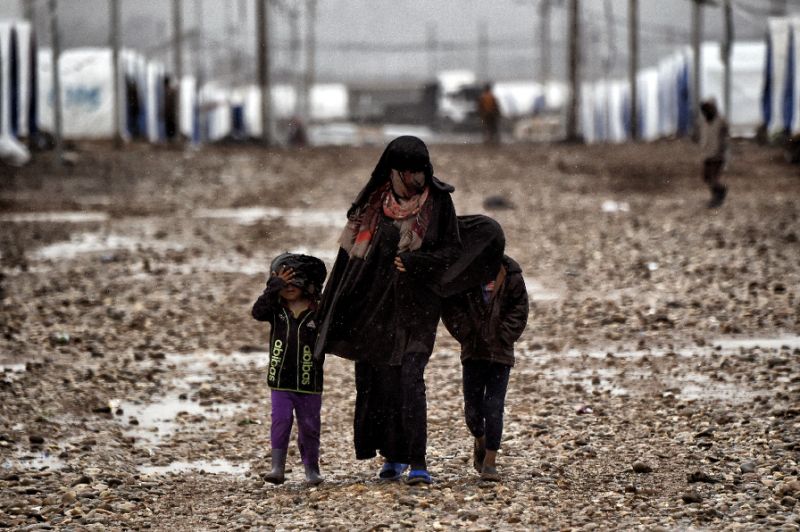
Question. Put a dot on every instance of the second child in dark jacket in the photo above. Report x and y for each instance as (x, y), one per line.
(486, 321)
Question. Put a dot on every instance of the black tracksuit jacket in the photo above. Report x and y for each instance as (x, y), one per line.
(291, 343)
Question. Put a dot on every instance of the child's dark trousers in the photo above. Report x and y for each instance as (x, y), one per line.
(485, 385)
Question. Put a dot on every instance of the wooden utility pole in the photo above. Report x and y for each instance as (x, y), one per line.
(29, 12)
(633, 64)
(56, 46)
(574, 70)
(294, 58)
(697, 31)
(727, 50)
(311, 57)
(432, 46)
(114, 38)
(778, 8)
(262, 52)
(544, 42)
(199, 49)
(177, 38)
(483, 51)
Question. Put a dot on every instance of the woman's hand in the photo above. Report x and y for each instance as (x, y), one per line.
(398, 263)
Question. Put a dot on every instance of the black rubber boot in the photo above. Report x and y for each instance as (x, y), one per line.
(312, 474)
(276, 476)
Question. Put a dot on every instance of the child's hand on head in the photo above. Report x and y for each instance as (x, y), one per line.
(286, 274)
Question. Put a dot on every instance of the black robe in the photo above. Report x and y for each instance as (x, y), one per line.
(386, 320)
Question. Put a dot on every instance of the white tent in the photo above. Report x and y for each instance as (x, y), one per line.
(87, 97)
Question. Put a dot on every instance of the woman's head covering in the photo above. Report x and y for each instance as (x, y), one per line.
(403, 153)
(309, 272)
(483, 243)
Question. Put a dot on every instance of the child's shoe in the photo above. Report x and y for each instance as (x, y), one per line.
(312, 474)
(490, 474)
(276, 476)
(489, 468)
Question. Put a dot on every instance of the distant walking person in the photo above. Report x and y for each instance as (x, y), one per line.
(714, 143)
(486, 318)
(289, 304)
(489, 112)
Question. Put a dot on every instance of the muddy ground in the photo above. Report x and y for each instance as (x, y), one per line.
(657, 383)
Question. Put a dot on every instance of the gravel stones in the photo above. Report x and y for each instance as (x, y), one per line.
(624, 410)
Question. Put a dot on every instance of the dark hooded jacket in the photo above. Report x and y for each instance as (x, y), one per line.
(372, 312)
(487, 331)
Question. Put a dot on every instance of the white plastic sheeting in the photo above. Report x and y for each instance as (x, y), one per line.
(329, 102)
(26, 100)
(779, 31)
(187, 100)
(11, 150)
(747, 73)
(673, 82)
(155, 97)
(649, 109)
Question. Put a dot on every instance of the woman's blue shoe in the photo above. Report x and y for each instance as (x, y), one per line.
(392, 471)
(418, 476)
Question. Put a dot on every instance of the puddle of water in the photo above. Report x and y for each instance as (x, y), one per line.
(292, 217)
(538, 292)
(160, 419)
(631, 355)
(94, 243)
(695, 387)
(214, 467)
(60, 217)
(791, 342)
(601, 379)
(8, 372)
(39, 462)
(165, 415)
(611, 206)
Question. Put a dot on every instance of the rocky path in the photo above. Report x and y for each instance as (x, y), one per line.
(656, 386)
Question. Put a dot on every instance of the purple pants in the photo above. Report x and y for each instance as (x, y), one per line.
(306, 407)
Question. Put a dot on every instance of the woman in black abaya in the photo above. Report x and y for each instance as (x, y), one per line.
(379, 309)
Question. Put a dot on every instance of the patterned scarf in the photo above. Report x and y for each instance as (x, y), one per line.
(411, 215)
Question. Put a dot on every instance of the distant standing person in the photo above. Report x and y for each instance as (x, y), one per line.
(486, 318)
(715, 145)
(489, 112)
(289, 304)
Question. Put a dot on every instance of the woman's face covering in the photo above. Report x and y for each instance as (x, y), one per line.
(413, 181)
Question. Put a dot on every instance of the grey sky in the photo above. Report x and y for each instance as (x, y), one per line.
(388, 41)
